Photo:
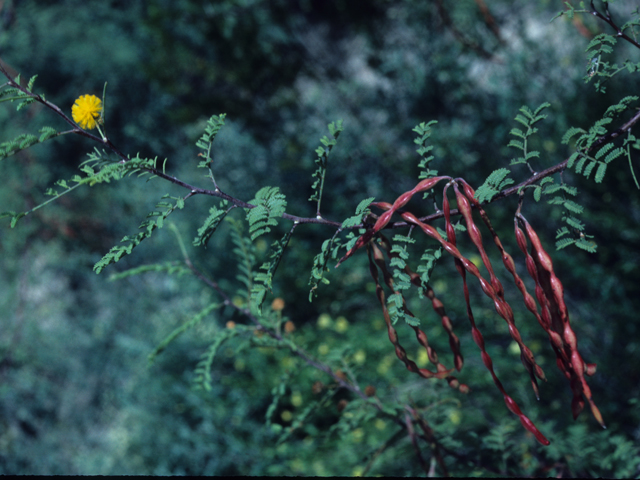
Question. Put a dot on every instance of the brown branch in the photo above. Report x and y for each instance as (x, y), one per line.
(536, 177)
(314, 220)
(414, 441)
(159, 173)
(607, 19)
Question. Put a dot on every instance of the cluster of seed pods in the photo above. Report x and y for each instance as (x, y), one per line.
(554, 317)
(378, 261)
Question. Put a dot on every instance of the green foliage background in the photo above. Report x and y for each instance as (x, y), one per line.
(76, 393)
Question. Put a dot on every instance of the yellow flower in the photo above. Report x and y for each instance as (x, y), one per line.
(85, 110)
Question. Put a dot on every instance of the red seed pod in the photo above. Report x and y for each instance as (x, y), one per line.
(454, 342)
(596, 413)
(477, 337)
(577, 405)
(528, 424)
(526, 355)
(382, 205)
(569, 359)
(428, 183)
(562, 365)
(476, 237)
(464, 265)
(377, 258)
(486, 359)
(512, 405)
(402, 200)
(468, 191)
(446, 208)
(382, 220)
(420, 335)
(431, 353)
(520, 237)
(393, 335)
(570, 337)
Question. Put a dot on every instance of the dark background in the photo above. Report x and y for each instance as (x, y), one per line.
(76, 393)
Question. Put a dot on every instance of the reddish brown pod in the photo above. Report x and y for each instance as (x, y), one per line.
(383, 220)
(502, 306)
(376, 261)
(552, 315)
(464, 265)
(421, 336)
(560, 327)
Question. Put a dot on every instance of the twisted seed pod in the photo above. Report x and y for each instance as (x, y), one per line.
(507, 260)
(401, 201)
(454, 342)
(378, 259)
(526, 355)
(451, 237)
(465, 265)
(560, 324)
(545, 318)
(476, 237)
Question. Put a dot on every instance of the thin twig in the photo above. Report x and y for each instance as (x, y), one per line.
(607, 19)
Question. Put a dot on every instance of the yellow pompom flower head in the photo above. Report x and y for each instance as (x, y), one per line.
(85, 111)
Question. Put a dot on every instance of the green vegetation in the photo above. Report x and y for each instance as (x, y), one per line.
(219, 338)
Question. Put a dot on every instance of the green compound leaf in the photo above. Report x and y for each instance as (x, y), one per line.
(322, 161)
(269, 205)
(330, 249)
(194, 321)
(205, 142)
(202, 372)
(245, 252)
(395, 307)
(424, 150)
(156, 220)
(427, 264)
(496, 182)
(537, 193)
(24, 141)
(211, 223)
(528, 119)
(361, 210)
(587, 245)
(263, 281)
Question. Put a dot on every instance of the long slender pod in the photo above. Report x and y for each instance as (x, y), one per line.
(526, 355)
(554, 291)
(384, 219)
